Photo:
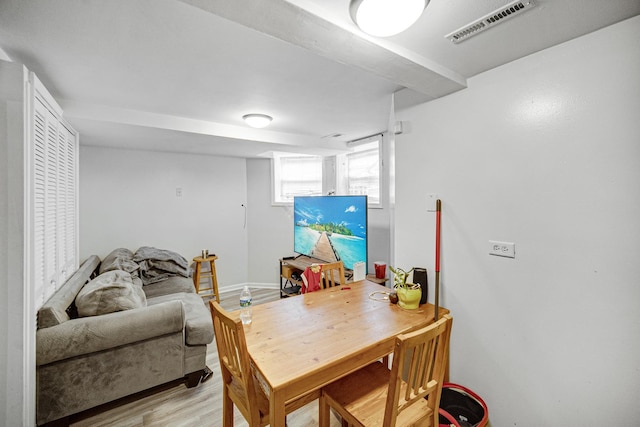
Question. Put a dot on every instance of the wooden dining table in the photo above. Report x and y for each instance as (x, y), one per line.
(299, 344)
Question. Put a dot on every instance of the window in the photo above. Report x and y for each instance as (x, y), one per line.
(296, 176)
(359, 171)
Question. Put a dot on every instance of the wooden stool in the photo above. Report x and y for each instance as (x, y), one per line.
(199, 275)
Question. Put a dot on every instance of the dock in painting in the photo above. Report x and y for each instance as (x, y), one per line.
(323, 249)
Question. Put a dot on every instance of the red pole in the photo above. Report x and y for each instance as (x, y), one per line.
(438, 214)
(437, 299)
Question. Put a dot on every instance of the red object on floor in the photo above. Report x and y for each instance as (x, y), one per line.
(461, 407)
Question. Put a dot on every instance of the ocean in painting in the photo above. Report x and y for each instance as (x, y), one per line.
(305, 238)
(350, 249)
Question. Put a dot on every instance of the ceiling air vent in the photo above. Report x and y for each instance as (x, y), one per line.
(490, 20)
(332, 135)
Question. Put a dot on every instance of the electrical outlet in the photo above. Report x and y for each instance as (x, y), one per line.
(505, 249)
(178, 192)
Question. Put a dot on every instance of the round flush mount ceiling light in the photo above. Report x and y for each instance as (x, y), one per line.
(257, 120)
(384, 18)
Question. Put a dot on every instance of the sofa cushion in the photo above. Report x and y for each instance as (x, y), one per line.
(55, 310)
(158, 264)
(120, 259)
(198, 323)
(109, 292)
(170, 285)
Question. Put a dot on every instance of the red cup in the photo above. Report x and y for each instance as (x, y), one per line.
(381, 270)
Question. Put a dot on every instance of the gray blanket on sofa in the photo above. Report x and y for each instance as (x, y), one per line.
(159, 264)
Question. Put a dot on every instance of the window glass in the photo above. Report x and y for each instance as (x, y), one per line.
(296, 176)
(359, 171)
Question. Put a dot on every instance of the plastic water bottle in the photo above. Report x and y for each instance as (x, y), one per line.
(245, 306)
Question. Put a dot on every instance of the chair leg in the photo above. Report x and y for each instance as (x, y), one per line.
(227, 409)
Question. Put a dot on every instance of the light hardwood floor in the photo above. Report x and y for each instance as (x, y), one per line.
(178, 406)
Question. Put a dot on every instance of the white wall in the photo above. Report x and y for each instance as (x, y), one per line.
(128, 199)
(270, 227)
(543, 152)
(5, 224)
(378, 238)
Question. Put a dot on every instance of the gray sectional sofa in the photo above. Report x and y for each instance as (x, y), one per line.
(105, 335)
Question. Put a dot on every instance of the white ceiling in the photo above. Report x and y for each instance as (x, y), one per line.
(178, 75)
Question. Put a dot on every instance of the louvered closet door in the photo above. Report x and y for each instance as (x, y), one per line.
(66, 203)
(51, 202)
(54, 202)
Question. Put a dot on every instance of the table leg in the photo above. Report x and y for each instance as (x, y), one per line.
(277, 416)
(324, 416)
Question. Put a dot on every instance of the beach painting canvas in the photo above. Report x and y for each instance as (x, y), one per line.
(331, 228)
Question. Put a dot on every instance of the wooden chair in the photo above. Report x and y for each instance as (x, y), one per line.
(240, 387)
(375, 396)
(333, 274)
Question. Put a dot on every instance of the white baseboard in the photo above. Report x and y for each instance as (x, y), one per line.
(252, 285)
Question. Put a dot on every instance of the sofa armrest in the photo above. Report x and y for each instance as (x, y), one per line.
(91, 334)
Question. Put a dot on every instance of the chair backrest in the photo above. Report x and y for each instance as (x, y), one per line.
(420, 356)
(235, 365)
(333, 274)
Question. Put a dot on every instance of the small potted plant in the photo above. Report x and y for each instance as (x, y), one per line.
(409, 294)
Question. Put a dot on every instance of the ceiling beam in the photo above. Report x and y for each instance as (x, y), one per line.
(101, 113)
(295, 25)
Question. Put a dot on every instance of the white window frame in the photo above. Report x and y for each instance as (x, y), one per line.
(343, 181)
(278, 168)
(334, 176)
